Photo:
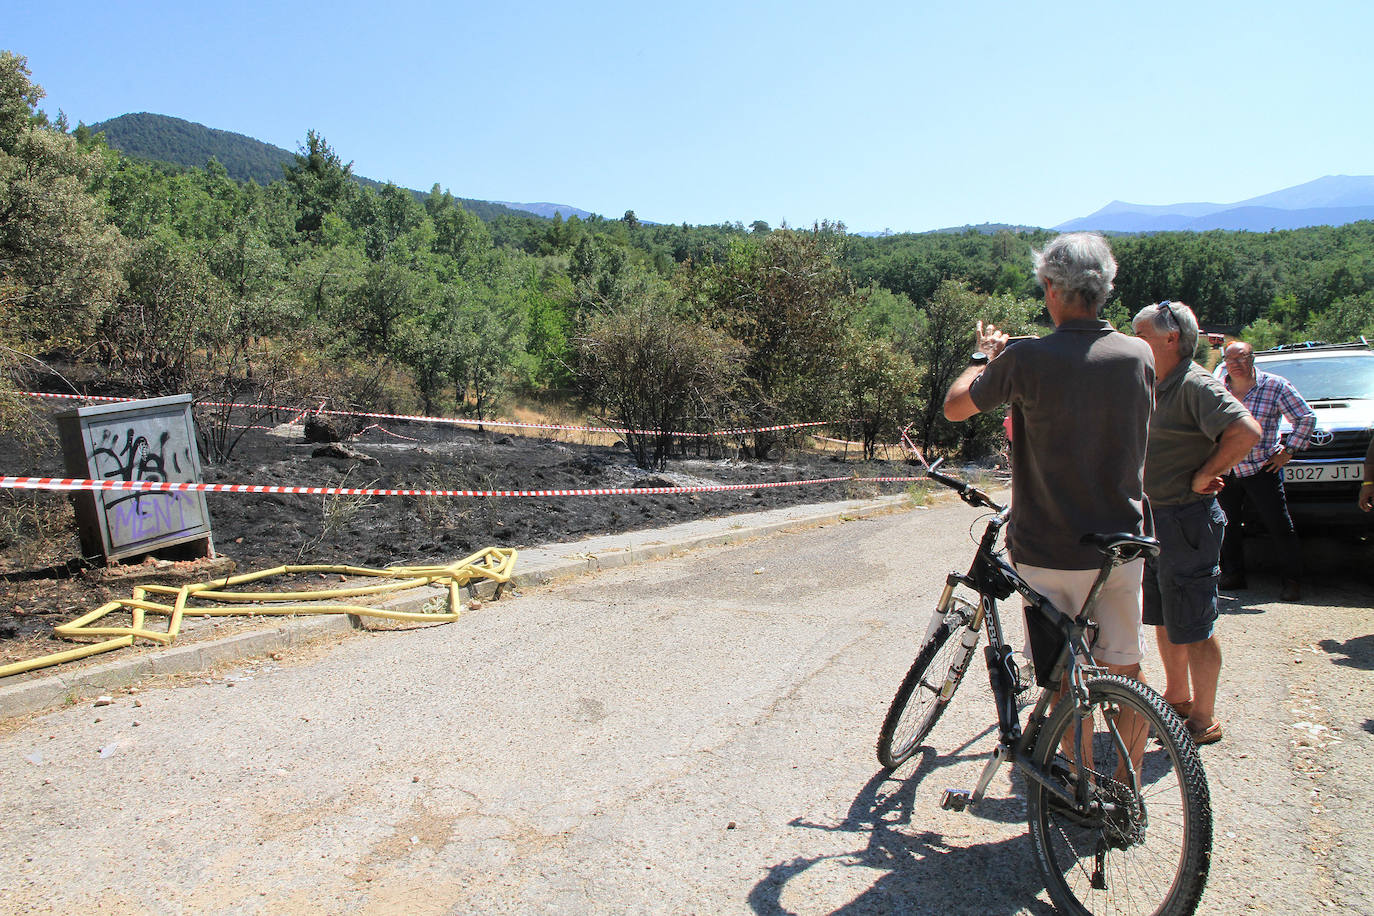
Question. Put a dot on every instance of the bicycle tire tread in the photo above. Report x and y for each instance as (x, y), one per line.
(892, 758)
(1191, 876)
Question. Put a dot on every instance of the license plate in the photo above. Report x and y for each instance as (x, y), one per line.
(1323, 473)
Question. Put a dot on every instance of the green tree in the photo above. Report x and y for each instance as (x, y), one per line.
(1345, 320)
(787, 298)
(387, 219)
(19, 98)
(488, 347)
(653, 370)
(388, 293)
(879, 386)
(883, 312)
(320, 183)
(458, 234)
(59, 258)
(428, 342)
(1264, 334)
(153, 336)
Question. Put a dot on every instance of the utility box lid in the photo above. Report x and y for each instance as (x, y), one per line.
(152, 439)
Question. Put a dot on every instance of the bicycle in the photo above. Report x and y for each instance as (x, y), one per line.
(1107, 833)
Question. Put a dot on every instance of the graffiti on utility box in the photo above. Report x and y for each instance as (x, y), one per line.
(135, 441)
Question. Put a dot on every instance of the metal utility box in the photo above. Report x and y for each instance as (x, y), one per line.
(153, 439)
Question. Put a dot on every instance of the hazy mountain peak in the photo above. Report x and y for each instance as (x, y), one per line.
(546, 209)
(1332, 200)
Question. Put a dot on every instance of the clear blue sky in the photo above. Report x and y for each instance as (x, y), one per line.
(907, 115)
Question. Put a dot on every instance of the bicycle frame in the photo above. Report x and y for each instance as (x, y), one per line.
(993, 578)
(1112, 824)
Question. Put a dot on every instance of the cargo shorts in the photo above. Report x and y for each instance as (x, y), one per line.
(1181, 583)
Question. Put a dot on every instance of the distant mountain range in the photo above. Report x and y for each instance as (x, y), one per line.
(548, 211)
(981, 229)
(162, 138)
(1330, 201)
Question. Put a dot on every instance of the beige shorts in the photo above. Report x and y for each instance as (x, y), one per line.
(1120, 636)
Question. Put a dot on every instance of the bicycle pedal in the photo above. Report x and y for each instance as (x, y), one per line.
(956, 799)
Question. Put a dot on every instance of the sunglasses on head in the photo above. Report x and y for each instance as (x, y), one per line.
(1167, 308)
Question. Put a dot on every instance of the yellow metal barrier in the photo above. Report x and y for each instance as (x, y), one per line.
(494, 563)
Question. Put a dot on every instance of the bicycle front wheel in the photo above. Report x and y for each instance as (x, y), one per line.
(1122, 850)
(929, 685)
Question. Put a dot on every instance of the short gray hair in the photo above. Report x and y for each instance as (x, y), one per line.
(1158, 315)
(1080, 264)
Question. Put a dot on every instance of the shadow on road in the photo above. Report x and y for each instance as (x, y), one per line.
(1262, 596)
(921, 872)
(1358, 651)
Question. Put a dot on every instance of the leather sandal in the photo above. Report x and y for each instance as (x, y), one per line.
(1209, 735)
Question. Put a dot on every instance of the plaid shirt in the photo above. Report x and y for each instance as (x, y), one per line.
(1273, 397)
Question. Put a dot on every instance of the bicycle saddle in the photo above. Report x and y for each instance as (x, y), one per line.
(1127, 546)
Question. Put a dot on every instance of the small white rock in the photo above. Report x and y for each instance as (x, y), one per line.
(104, 701)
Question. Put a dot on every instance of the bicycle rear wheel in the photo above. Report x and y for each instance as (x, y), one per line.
(929, 685)
(1145, 852)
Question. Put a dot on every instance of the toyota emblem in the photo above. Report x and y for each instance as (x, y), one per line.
(1322, 437)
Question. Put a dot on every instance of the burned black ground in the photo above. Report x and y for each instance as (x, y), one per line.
(44, 580)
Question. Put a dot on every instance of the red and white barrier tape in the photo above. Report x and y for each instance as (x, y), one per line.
(158, 486)
(72, 397)
(456, 421)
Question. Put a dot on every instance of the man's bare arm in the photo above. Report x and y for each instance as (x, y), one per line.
(958, 402)
(1235, 443)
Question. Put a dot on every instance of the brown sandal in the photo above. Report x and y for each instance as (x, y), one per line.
(1209, 735)
(1184, 709)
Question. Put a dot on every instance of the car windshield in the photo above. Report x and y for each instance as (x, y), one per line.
(1326, 377)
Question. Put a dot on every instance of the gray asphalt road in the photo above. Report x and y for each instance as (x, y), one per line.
(692, 735)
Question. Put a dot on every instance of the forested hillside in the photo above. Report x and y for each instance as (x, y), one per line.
(136, 279)
(185, 144)
(161, 138)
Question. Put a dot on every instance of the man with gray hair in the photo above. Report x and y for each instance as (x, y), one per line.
(1197, 433)
(1080, 410)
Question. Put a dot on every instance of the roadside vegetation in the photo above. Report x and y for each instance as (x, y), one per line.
(127, 277)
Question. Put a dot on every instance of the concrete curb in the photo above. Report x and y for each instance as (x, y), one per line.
(535, 566)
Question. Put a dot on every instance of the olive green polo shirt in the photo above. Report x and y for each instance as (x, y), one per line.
(1192, 409)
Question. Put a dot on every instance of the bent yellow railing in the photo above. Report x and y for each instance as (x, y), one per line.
(492, 563)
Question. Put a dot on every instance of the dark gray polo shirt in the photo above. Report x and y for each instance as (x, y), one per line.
(1191, 410)
(1080, 413)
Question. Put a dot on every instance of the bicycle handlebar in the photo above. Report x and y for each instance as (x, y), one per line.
(967, 491)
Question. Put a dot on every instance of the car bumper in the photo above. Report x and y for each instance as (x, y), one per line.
(1316, 508)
